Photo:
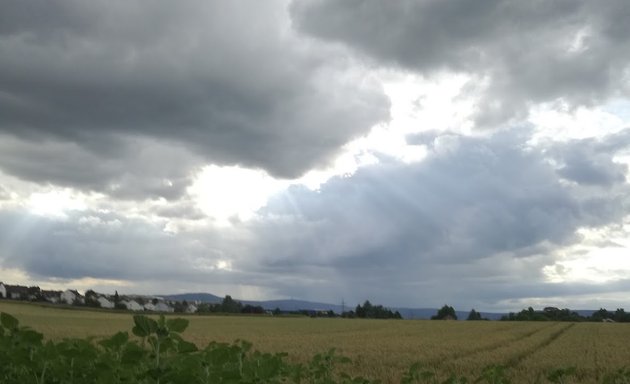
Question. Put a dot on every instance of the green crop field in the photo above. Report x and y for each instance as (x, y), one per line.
(384, 349)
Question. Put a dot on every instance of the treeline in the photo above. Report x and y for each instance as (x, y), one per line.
(370, 311)
(556, 314)
(229, 305)
(547, 314)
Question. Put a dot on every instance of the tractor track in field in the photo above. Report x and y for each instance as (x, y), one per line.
(489, 347)
(515, 360)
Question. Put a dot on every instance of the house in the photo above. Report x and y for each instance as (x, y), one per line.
(17, 292)
(51, 296)
(192, 308)
(3, 291)
(104, 302)
(133, 305)
(70, 296)
(163, 307)
(158, 307)
(34, 293)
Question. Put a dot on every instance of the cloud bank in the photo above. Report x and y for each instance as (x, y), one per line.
(501, 183)
(518, 53)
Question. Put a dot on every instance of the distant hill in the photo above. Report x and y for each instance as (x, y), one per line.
(585, 312)
(426, 313)
(203, 297)
(296, 305)
(417, 313)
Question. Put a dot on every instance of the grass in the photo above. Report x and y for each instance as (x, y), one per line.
(383, 349)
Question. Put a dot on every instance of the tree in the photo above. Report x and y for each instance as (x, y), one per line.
(253, 309)
(621, 316)
(364, 311)
(205, 307)
(230, 305)
(445, 313)
(370, 311)
(601, 315)
(91, 299)
(349, 315)
(180, 306)
(474, 315)
(547, 314)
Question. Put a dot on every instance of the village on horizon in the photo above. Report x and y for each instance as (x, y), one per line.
(134, 303)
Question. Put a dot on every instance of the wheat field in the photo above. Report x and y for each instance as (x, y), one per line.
(384, 349)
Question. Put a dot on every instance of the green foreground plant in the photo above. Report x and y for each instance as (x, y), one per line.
(158, 354)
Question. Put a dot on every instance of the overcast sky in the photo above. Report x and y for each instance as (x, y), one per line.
(413, 153)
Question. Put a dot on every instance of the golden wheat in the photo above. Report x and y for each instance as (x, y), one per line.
(384, 349)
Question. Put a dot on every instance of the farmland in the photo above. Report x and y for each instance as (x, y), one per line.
(383, 349)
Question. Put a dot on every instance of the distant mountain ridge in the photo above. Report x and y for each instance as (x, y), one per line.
(296, 305)
(202, 297)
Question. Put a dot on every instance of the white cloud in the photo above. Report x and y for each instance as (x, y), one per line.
(600, 257)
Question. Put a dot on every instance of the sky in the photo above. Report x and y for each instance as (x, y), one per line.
(413, 153)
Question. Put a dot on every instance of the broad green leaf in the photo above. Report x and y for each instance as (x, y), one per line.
(116, 341)
(167, 344)
(144, 326)
(176, 337)
(9, 321)
(155, 373)
(162, 331)
(186, 347)
(31, 337)
(132, 354)
(177, 325)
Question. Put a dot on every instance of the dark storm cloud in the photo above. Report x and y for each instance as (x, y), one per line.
(105, 246)
(590, 161)
(181, 210)
(474, 223)
(477, 215)
(477, 197)
(132, 169)
(525, 51)
(228, 81)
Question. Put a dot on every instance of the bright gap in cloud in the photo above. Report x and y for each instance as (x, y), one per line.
(556, 121)
(55, 203)
(417, 105)
(233, 193)
(601, 257)
(609, 300)
(441, 103)
(228, 194)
